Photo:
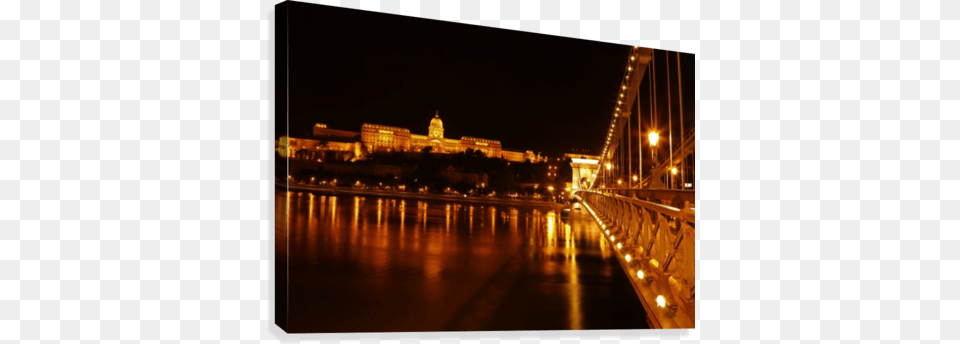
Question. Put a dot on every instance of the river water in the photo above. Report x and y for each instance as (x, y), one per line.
(376, 264)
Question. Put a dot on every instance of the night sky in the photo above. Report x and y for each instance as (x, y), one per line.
(530, 91)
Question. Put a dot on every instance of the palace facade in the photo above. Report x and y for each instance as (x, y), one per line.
(374, 138)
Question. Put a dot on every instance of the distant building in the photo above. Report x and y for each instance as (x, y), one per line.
(321, 132)
(380, 138)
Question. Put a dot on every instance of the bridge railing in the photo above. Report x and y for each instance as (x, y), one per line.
(655, 244)
(674, 198)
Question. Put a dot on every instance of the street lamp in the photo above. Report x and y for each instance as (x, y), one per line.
(653, 136)
(607, 175)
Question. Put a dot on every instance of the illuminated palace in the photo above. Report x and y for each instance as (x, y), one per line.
(374, 138)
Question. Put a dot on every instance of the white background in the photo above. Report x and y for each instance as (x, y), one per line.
(136, 142)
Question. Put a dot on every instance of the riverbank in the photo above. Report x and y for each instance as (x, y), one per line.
(409, 195)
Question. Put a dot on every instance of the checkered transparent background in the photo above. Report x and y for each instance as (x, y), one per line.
(136, 145)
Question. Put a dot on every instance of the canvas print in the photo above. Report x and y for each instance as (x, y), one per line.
(439, 176)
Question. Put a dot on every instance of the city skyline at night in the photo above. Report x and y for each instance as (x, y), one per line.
(521, 88)
(434, 176)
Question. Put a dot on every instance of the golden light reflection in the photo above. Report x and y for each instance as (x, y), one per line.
(403, 215)
(312, 230)
(661, 302)
(286, 224)
(448, 217)
(356, 211)
(576, 321)
(426, 212)
(420, 215)
(424, 257)
(379, 211)
(551, 229)
(333, 210)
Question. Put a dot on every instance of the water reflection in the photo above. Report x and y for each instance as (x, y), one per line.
(455, 266)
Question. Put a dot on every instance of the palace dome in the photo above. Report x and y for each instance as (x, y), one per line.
(436, 122)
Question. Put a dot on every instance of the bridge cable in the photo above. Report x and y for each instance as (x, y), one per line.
(669, 125)
(683, 179)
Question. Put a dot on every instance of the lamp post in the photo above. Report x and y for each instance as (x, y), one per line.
(673, 172)
(607, 175)
(653, 136)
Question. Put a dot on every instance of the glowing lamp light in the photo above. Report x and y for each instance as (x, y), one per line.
(654, 137)
(608, 165)
(661, 302)
(619, 246)
(634, 177)
(627, 257)
(640, 274)
(673, 170)
(619, 181)
(613, 238)
(608, 231)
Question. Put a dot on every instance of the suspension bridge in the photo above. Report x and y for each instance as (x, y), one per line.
(640, 189)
